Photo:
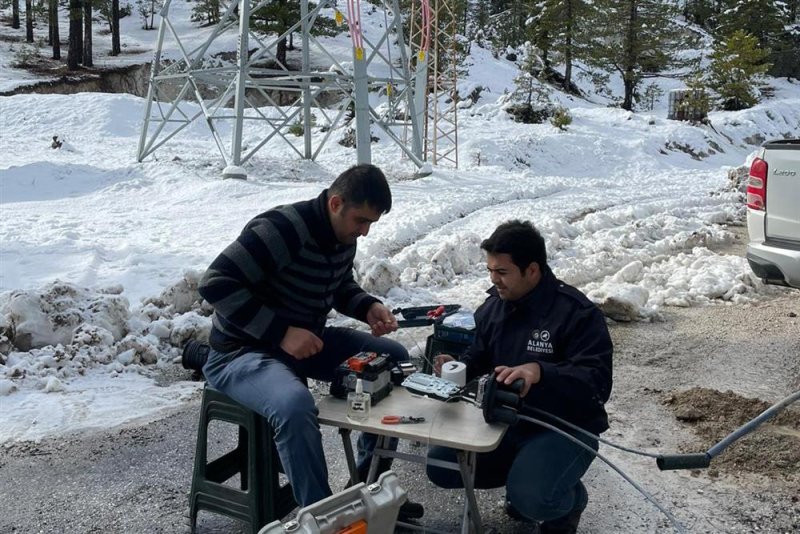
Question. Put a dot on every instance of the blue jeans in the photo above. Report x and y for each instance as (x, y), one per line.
(539, 468)
(273, 385)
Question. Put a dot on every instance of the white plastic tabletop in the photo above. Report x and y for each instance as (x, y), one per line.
(459, 425)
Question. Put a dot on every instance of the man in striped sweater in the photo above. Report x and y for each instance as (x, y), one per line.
(271, 290)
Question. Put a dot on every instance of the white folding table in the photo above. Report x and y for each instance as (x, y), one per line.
(459, 425)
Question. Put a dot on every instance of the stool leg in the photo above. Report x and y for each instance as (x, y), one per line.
(244, 452)
(260, 498)
(200, 457)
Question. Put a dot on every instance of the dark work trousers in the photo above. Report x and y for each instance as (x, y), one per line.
(273, 385)
(539, 468)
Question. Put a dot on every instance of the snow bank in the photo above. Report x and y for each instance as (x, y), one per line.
(53, 335)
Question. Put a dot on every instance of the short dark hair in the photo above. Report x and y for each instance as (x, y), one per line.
(363, 184)
(521, 240)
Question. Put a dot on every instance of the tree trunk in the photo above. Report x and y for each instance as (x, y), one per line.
(280, 52)
(87, 33)
(29, 20)
(568, 47)
(55, 38)
(630, 86)
(629, 59)
(15, 14)
(115, 49)
(75, 35)
(152, 13)
(544, 46)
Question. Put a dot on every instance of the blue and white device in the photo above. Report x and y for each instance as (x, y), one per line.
(425, 384)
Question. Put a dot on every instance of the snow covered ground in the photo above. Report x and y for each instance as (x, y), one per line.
(101, 254)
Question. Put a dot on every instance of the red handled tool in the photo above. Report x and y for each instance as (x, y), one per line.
(438, 312)
(401, 419)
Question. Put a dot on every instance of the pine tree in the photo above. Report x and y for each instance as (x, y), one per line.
(637, 39)
(87, 33)
(530, 87)
(147, 9)
(115, 46)
(785, 55)
(702, 12)
(276, 17)
(737, 64)
(766, 20)
(792, 11)
(280, 15)
(507, 21)
(206, 11)
(75, 35)
(29, 20)
(561, 26)
(110, 13)
(15, 14)
(763, 19)
(55, 37)
(478, 17)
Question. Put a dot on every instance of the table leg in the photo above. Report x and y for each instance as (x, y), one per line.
(380, 445)
(466, 464)
(348, 454)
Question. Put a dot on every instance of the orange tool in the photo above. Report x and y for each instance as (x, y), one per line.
(401, 419)
(438, 312)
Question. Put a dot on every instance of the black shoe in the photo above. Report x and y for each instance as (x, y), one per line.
(410, 510)
(384, 464)
(568, 524)
(514, 514)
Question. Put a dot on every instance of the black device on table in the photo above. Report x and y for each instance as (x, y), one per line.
(374, 370)
(445, 339)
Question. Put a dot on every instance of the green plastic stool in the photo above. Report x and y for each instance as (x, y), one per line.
(260, 498)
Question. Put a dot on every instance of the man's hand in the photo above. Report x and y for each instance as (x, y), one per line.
(380, 319)
(439, 361)
(300, 343)
(531, 373)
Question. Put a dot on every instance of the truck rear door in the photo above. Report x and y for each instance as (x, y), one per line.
(783, 191)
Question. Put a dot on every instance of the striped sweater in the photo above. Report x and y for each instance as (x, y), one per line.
(285, 269)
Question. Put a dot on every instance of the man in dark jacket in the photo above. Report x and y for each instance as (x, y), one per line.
(537, 328)
(271, 290)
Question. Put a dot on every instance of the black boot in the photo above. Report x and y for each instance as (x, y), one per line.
(568, 524)
(409, 509)
(514, 514)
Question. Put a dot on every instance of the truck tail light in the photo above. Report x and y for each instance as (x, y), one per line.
(757, 185)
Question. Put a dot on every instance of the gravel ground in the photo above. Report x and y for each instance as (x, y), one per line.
(137, 479)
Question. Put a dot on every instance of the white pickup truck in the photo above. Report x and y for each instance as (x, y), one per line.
(773, 213)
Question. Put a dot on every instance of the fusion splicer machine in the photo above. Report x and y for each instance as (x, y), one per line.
(374, 371)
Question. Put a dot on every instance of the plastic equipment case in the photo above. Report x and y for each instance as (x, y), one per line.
(446, 339)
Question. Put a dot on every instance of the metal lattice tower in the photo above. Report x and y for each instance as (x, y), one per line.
(438, 57)
(244, 96)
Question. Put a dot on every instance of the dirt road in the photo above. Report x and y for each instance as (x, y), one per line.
(137, 479)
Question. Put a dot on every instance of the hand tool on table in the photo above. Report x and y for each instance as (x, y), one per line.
(401, 419)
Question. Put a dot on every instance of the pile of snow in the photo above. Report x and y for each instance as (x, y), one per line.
(687, 279)
(62, 331)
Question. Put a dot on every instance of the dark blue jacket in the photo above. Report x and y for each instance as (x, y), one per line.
(556, 326)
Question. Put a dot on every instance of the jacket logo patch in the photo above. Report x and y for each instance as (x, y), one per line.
(540, 342)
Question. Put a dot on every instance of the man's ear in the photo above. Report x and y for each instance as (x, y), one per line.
(335, 203)
(532, 269)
